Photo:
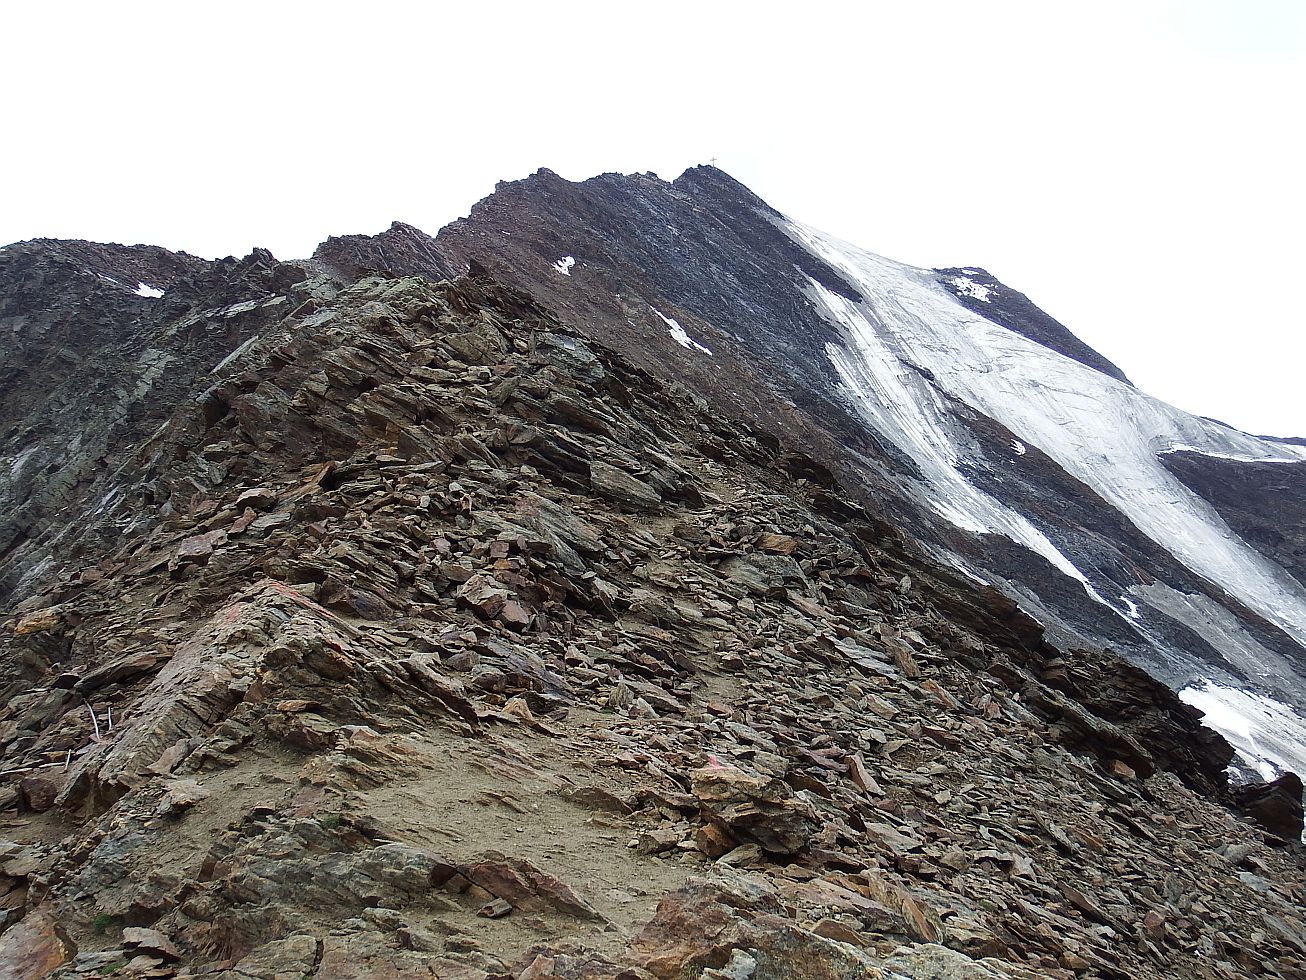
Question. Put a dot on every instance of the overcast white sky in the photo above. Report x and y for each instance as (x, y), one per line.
(1136, 168)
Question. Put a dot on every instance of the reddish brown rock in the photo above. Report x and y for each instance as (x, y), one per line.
(196, 550)
(753, 807)
(525, 886)
(258, 498)
(38, 793)
(713, 840)
(34, 948)
(861, 775)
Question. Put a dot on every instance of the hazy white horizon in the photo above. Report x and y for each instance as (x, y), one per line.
(1135, 168)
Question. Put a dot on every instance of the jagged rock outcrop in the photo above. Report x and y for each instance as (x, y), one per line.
(1276, 805)
(99, 345)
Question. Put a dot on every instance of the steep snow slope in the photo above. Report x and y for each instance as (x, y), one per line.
(909, 342)
(1258, 728)
(1101, 431)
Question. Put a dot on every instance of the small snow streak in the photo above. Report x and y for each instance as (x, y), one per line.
(679, 335)
(1241, 458)
(564, 265)
(148, 291)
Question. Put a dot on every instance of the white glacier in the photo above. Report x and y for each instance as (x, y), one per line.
(910, 340)
(1261, 730)
(899, 402)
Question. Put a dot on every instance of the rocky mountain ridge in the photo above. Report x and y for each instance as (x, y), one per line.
(426, 632)
(944, 400)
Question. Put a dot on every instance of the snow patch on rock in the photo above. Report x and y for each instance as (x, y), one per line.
(969, 287)
(1235, 457)
(564, 265)
(679, 335)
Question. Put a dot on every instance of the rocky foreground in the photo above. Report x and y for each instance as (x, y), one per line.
(436, 640)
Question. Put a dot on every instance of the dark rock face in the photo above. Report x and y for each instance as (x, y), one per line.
(1002, 304)
(89, 369)
(1276, 806)
(400, 250)
(1264, 502)
(704, 251)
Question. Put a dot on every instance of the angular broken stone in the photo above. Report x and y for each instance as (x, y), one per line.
(38, 792)
(516, 707)
(197, 549)
(180, 795)
(151, 942)
(41, 621)
(861, 775)
(618, 485)
(776, 544)
(713, 840)
(258, 498)
(753, 807)
(494, 909)
(519, 882)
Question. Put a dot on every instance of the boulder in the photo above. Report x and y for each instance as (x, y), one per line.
(1275, 806)
(753, 807)
(33, 949)
(522, 885)
(38, 792)
(622, 488)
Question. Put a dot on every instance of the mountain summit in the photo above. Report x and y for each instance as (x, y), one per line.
(627, 581)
